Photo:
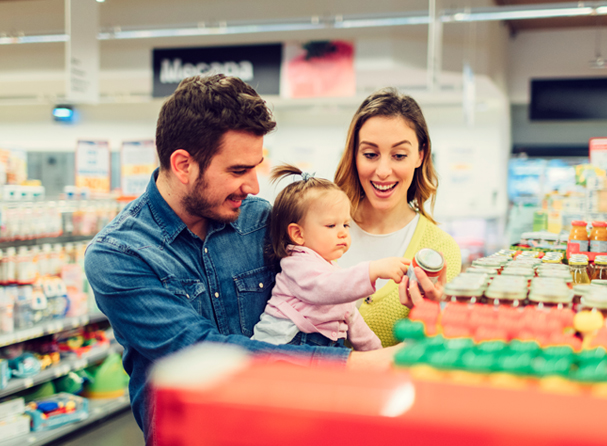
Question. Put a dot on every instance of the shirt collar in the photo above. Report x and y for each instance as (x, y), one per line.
(166, 217)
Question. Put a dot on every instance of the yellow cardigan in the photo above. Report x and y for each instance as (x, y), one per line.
(384, 308)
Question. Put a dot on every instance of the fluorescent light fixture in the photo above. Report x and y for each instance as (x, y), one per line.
(522, 12)
(34, 39)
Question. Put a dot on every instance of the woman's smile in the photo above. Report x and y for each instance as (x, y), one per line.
(388, 154)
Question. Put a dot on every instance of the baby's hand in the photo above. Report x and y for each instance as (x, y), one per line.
(389, 268)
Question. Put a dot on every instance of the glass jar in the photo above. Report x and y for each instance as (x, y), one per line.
(429, 260)
(599, 271)
(466, 288)
(507, 290)
(598, 237)
(595, 299)
(579, 271)
(550, 292)
(579, 235)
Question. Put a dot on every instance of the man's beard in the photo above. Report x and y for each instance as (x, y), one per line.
(196, 204)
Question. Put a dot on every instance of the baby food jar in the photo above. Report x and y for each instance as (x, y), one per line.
(507, 290)
(550, 292)
(599, 272)
(579, 270)
(579, 235)
(466, 288)
(598, 236)
(430, 261)
(595, 299)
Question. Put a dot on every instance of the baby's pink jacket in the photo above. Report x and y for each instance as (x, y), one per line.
(323, 294)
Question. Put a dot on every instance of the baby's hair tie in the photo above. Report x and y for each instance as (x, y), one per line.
(306, 176)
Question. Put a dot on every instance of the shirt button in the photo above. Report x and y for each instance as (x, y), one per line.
(334, 334)
(206, 250)
(216, 294)
(260, 285)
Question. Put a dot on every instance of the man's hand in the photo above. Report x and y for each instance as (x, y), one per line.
(389, 268)
(409, 293)
(381, 359)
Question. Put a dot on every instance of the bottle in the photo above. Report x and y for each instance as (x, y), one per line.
(579, 235)
(598, 237)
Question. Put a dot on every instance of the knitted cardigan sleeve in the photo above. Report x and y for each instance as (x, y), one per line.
(383, 309)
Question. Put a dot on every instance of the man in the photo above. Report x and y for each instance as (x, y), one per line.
(185, 263)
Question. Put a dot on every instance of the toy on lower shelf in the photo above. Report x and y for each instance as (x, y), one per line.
(57, 410)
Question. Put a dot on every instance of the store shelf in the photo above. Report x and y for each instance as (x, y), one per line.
(98, 409)
(61, 369)
(49, 327)
(52, 240)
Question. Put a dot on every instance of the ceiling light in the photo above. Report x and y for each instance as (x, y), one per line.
(341, 21)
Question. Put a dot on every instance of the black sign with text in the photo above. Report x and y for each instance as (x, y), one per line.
(257, 65)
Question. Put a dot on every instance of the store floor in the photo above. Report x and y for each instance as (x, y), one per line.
(118, 430)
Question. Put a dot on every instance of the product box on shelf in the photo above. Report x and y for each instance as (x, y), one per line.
(14, 427)
(57, 410)
(12, 408)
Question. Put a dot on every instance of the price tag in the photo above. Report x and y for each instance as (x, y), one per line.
(28, 382)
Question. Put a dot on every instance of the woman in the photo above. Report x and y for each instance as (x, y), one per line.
(387, 172)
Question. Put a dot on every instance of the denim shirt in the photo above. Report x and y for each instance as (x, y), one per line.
(163, 288)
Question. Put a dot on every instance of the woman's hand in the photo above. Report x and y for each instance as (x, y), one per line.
(409, 291)
(389, 268)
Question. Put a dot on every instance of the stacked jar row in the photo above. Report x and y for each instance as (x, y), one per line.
(502, 279)
(24, 265)
(24, 221)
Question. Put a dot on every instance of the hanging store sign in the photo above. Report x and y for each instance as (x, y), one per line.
(137, 162)
(319, 69)
(82, 51)
(93, 165)
(257, 65)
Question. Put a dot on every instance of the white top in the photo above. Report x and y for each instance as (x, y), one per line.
(368, 247)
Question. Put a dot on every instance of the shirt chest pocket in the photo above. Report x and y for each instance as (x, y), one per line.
(253, 289)
(190, 290)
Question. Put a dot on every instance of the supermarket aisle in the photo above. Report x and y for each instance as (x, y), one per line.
(120, 430)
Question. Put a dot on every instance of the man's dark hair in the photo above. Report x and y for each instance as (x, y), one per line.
(202, 109)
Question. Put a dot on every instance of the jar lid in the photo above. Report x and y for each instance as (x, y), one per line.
(578, 223)
(462, 289)
(599, 224)
(557, 295)
(429, 259)
(593, 301)
(578, 262)
(506, 293)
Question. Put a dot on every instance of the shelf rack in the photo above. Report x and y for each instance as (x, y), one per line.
(98, 409)
(50, 327)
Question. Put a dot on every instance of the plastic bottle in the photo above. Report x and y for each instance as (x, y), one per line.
(598, 237)
(579, 235)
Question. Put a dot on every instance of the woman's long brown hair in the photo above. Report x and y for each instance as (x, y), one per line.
(389, 103)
